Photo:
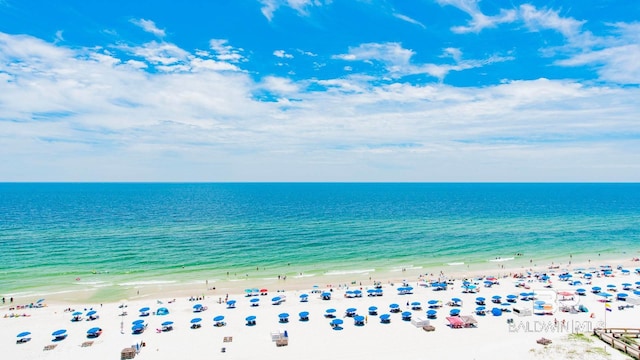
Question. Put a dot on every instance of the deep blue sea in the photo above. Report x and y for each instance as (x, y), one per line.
(114, 234)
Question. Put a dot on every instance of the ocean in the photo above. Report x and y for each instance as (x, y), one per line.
(55, 236)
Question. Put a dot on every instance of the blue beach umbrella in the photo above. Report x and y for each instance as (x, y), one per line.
(167, 323)
(337, 322)
(283, 315)
(145, 309)
(218, 318)
(304, 315)
(351, 310)
(136, 322)
(197, 307)
(330, 312)
(24, 334)
(254, 301)
(385, 318)
(91, 313)
(196, 320)
(77, 313)
(250, 318)
(480, 300)
(94, 331)
(137, 327)
(454, 312)
(373, 308)
(59, 332)
(304, 296)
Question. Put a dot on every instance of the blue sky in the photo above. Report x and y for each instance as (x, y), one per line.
(320, 90)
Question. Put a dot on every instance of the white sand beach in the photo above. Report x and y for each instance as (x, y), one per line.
(508, 336)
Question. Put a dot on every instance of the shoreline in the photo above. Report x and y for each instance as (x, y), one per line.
(97, 292)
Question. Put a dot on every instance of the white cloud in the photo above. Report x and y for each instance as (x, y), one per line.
(479, 21)
(72, 114)
(397, 60)
(282, 54)
(536, 20)
(269, 7)
(409, 20)
(226, 52)
(149, 26)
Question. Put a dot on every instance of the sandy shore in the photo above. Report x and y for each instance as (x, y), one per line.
(496, 337)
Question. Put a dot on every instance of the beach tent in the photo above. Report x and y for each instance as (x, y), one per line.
(469, 321)
(162, 311)
(419, 322)
(455, 322)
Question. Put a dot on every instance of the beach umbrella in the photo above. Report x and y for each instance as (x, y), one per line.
(145, 309)
(456, 300)
(254, 301)
(351, 310)
(283, 315)
(40, 301)
(218, 318)
(304, 296)
(250, 318)
(622, 295)
(394, 306)
(77, 313)
(480, 308)
(330, 311)
(167, 323)
(304, 314)
(137, 327)
(357, 292)
(337, 322)
(136, 322)
(454, 312)
(197, 306)
(59, 332)
(636, 292)
(196, 320)
(373, 308)
(231, 304)
(360, 318)
(496, 297)
(385, 317)
(93, 330)
(24, 334)
(91, 313)
(480, 299)
(371, 291)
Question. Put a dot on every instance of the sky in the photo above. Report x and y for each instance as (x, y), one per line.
(320, 90)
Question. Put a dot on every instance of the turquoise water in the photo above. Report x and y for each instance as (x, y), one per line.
(125, 234)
